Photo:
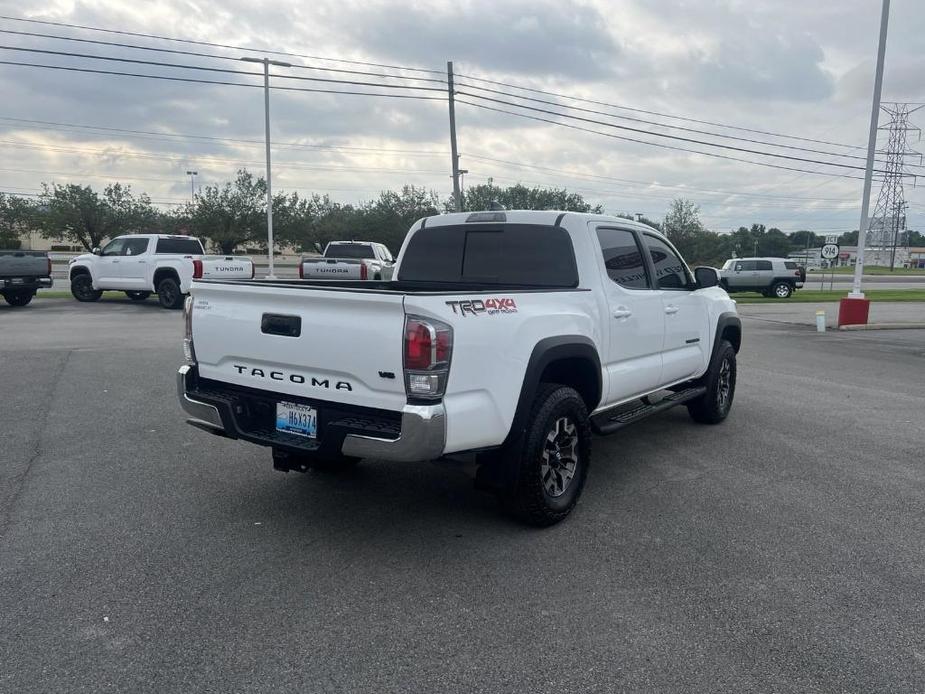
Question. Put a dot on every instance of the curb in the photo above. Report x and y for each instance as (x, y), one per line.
(884, 326)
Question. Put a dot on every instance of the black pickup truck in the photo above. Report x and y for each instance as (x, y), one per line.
(22, 273)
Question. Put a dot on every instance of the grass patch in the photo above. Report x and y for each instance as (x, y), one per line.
(813, 296)
(870, 270)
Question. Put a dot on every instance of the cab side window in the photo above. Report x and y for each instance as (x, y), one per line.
(670, 270)
(746, 266)
(114, 247)
(763, 264)
(623, 258)
(135, 246)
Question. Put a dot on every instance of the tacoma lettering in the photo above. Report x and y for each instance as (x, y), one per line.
(293, 378)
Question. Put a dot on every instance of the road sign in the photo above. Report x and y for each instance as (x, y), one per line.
(830, 251)
(831, 239)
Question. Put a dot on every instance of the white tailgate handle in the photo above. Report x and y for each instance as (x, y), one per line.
(671, 309)
(622, 312)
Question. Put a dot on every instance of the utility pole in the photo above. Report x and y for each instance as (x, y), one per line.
(192, 191)
(462, 188)
(454, 154)
(266, 62)
(856, 292)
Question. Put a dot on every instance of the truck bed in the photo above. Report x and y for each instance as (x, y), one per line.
(395, 286)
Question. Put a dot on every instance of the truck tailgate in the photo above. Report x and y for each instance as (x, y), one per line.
(226, 267)
(333, 269)
(348, 346)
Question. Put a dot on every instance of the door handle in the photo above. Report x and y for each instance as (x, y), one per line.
(115, 261)
(622, 312)
(671, 309)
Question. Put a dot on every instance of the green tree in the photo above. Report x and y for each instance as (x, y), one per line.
(80, 215)
(683, 227)
(388, 218)
(17, 215)
(232, 214)
(520, 197)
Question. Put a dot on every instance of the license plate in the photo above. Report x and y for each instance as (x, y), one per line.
(293, 418)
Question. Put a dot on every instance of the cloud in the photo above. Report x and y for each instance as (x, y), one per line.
(560, 39)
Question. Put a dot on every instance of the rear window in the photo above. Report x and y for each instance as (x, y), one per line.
(790, 266)
(522, 254)
(350, 250)
(179, 246)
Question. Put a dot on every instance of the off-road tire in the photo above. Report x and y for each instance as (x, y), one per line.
(169, 294)
(782, 290)
(713, 406)
(137, 296)
(530, 498)
(18, 297)
(82, 289)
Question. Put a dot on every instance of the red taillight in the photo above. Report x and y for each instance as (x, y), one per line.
(364, 270)
(197, 269)
(428, 351)
(419, 345)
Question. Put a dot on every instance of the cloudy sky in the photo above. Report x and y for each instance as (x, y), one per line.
(790, 67)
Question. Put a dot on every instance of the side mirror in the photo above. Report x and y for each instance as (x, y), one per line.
(706, 277)
(318, 248)
(97, 251)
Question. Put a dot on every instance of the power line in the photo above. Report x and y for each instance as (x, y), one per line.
(206, 158)
(652, 183)
(662, 125)
(161, 136)
(135, 61)
(662, 115)
(663, 135)
(219, 82)
(217, 45)
(653, 144)
(214, 56)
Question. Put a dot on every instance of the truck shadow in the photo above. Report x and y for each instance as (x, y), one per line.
(380, 500)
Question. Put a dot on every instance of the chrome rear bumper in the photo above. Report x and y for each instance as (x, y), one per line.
(422, 437)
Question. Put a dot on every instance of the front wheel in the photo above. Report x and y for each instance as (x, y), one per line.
(782, 290)
(18, 298)
(137, 296)
(713, 406)
(82, 289)
(551, 458)
(169, 294)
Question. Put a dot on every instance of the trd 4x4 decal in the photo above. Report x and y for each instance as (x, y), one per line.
(477, 307)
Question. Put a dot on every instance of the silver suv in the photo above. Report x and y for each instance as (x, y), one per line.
(770, 276)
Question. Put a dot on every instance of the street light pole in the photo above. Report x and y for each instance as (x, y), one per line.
(192, 191)
(266, 62)
(856, 292)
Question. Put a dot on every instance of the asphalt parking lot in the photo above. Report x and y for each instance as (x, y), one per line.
(781, 551)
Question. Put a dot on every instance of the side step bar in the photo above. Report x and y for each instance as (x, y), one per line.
(609, 421)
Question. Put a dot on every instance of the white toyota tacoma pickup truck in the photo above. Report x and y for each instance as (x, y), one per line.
(505, 337)
(145, 264)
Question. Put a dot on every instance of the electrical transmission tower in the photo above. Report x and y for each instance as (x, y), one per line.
(887, 226)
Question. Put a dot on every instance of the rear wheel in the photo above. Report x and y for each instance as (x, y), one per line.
(82, 289)
(137, 296)
(168, 293)
(782, 290)
(19, 297)
(713, 406)
(551, 458)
